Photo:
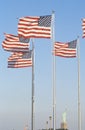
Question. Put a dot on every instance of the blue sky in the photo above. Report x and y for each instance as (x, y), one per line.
(15, 84)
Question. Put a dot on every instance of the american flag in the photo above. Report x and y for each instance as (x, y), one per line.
(35, 27)
(20, 60)
(67, 50)
(83, 27)
(15, 44)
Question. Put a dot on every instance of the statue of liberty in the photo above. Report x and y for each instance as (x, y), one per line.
(64, 116)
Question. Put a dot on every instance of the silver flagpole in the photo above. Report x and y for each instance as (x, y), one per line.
(79, 104)
(54, 76)
(32, 121)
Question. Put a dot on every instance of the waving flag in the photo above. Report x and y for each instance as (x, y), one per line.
(20, 60)
(35, 27)
(15, 44)
(83, 27)
(67, 50)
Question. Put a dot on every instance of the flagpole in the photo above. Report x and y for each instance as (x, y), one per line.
(79, 104)
(32, 121)
(54, 75)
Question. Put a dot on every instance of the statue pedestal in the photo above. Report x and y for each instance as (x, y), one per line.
(64, 125)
